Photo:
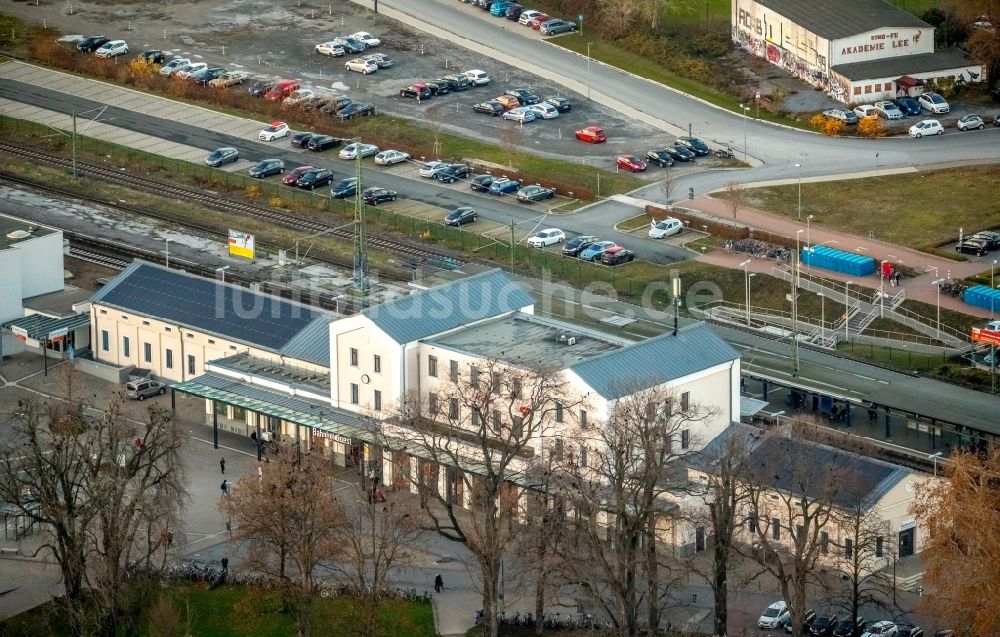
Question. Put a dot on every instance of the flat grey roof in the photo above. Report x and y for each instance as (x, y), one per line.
(10, 225)
(529, 339)
(945, 60)
(58, 304)
(282, 373)
(844, 18)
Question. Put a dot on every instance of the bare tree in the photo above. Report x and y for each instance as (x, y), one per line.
(289, 519)
(510, 135)
(487, 419)
(737, 195)
(668, 184)
(434, 116)
(862, 557)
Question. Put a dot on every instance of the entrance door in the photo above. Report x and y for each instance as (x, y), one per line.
(906, 541)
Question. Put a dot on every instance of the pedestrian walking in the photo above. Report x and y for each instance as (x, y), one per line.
(225, 563)
(438, 583)
(222, 465)
(225, 488)
(170, 539)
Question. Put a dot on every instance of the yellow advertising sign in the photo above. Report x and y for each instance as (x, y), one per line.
(241, 244)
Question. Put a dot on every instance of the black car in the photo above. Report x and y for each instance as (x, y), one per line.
(335, 104)
(320, 143)
(970, 245)
(301, 140)
(514, 12)
(375, 196)
(418, 91)
(908, 105)
(909, 630)
(573, 247)
(258, 88)
(314, 178)
(452, 173)
(786, 623)
(680, 153)
(457, 82)
(530, 194)
(344, 188)
(523, 95)
(450, 83)
(153, 55)
(356, 108)
(438, 88)
(561, 103)
(208, 75)
(481, 183)
(695, 145)
(847, 628)
(991, 238)
(996, 120)
(222, 156)
(491, 107)
(660, 157)
(351, 45)
(266, 168)
(91, 44)
(823, 625)
(460, 216)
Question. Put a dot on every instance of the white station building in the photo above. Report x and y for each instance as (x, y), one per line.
(858, 51)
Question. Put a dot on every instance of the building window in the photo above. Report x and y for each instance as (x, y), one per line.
(170, 358)
(377, 365)
(476, 421)
(474, 377)
(879, 546)
(125, 347)
(497, 382)
(583, 456)
(824, 542)
(868, 89)
(105, 341)
(557, 450)
(432, 403)
(685, 402)
(354, 394)
(496, 419)
(650, 411)
(685, 438)
(517, 427)
(515, 388)
(800, 532)
(668, 408)
(378, 400)
(848, 548)
(190, 335)
(432, 366)
(147, 352)
(583, 419)
(211, 341)
(857, 90)
(104, 311)
(559, 411)
(752, 524)
(167, 329)
(453, 371)
(191, 364)
(775, 529)
(354, 357)
(453, 408)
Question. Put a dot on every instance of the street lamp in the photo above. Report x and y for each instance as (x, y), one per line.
(847, 310)
(166, 257)
(992, 287)
(589, 44)
(822, 316)
(221, 271)
(748, 273)
(935, 457)
(746, 116)
(799, 166)
(808, 240)
(881, 289)
(937, 284)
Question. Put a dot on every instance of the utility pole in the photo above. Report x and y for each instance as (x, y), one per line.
(361, 281)
(512, 246)
(73, 141)
(795, 306)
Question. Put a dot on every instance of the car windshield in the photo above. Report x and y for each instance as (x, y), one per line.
(663, 225)
(771, 612)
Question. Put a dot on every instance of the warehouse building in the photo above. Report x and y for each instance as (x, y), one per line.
(858, 51)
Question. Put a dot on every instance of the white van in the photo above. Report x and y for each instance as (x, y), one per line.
(477, 77)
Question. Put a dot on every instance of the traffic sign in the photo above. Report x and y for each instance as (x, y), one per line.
(985, 336)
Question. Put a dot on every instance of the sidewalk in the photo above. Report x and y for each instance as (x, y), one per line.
(919, 288)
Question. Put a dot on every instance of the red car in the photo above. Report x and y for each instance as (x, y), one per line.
(591, 135)
(631, 163)
(536, 22)
(292, 178)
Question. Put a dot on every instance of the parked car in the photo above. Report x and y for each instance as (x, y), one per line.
(209, 75)
(351, 150)
(991, 238)
(351, 45)
(883, 628)
(591, 135)
(514, 12)
(807, 620)
(491, 107)
(419, 91)
(375, 196)
(438, 89)
(344, 188)
(477, 77)
(573, 247)
(186, 71)
(772, 615)
(368, 39)
(292, 178)
(555, 27)
(536, 22)
(451, 173)
(630, 163)
(222, 156)
(521, 114)
(909, 630)
(460, 216)
(996, 120)
(281, 89)
(319, 143)
(888, 110)
(112, 49)
(428, 168)
(616, 255)
(91, 44)
(823, 625)
(356, 109)
(230, 78)
(908, 105)
(971, 245)
(173, 65)
(297, 97)
(561, 103)
(695, 145)
(933, 103)
(390, 157)
(481, 183)
(266, 168)
(154, 56)
(261, 88)
(457, 82)
(865, 111)
(968, 122)
(275, 131)
(544, 110)
(680, 153)
(143, 389)
(499, 8)
(594, 250)
(504, 186)
(333, 49)
(361, 65)
(848, 627)
(335, 104)
(508, 102)
(660, 157)
(301, 140)
(315, 178)
(543, 238)
(665, 228)
(844, 115)
(528, 16)
(535, 193)
(524, 96)
(926, 127)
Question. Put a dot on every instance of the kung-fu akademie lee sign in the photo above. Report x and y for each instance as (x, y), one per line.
(882, 42)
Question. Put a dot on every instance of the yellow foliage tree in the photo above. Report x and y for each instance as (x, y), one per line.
(833, 127)
(871, 127)
(141, 68)
(818, 122)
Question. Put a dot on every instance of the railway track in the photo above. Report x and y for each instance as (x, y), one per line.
(307, 226)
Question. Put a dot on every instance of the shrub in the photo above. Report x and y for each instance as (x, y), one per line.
(277, 202)
(818, 122)
(871, 127)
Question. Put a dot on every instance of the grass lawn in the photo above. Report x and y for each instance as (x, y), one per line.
(921, 210)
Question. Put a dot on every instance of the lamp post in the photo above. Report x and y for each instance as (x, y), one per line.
(166, 257)
(221, 271)
(797, 265)
(808, 240)
(992, 287)
(847, 310)
(935, 457)
(822, 316)
(747, 274)
(589, 44)
(799, 166)
(746, 116)
(937, 284)
(881, 289)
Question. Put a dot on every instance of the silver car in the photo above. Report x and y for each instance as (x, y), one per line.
(142, 389)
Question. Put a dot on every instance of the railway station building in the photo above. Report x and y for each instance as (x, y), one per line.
(858, 51)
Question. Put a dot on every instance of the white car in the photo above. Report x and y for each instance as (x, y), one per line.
(428, 169)
(665, 228)
(528, 16)
(969, 122)
(775, 613)
(933, 103)
(884, 628)
(351, 150)
(865, 111)
(888, 110)
(390, 157)
(521, 114)
(477, 77)
(173, 65)
(230, 78)
(548, 237)
(190, 69)
(299, 96)
(275, 131)
(112, 49)
(367, 38)
(361, 65)
(544, 110)
(330, 48)
(926, 127)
